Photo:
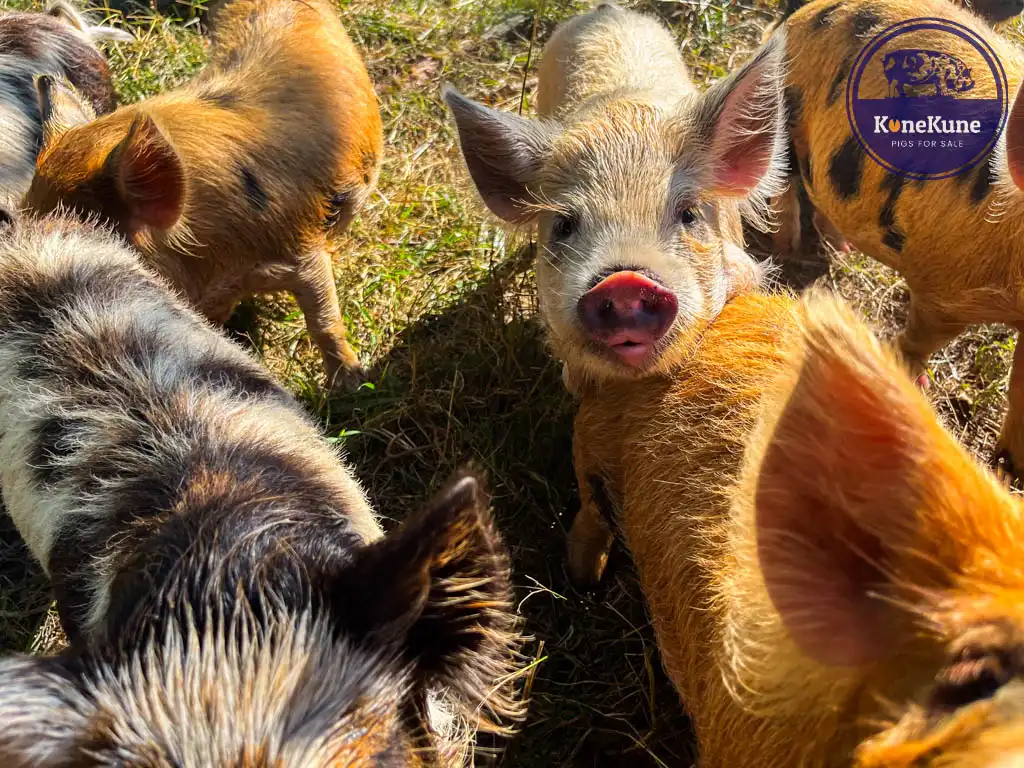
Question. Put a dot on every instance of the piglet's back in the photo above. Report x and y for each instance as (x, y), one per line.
(300, 54)
(118, 402)
(610, 53)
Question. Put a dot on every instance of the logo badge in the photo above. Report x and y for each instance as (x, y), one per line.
(927, 98)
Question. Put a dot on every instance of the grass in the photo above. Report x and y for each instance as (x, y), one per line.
(442, 303)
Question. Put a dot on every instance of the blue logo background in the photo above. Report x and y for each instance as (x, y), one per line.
(921, 127)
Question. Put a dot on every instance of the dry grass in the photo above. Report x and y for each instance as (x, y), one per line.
(441, 302)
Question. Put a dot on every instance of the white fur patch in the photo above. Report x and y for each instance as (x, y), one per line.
(19, 123)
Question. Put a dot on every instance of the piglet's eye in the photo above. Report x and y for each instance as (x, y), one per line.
(688, 216)
(563, 227)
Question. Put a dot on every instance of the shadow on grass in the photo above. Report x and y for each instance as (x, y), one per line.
(798, 271)
(476, 382)
(24, 591)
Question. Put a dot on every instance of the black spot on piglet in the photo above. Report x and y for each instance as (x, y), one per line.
(892, 237)
(846, 168)
(865, 21)
(838, 86)
(824, 17)
(794, 105)
(982, 182)
(254, 191)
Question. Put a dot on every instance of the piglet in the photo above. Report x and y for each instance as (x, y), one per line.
(833, 580)
(235, 183)
(956, 241)
(636, 182)
(226, 589)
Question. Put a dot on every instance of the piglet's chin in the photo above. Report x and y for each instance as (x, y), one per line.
(634, 356)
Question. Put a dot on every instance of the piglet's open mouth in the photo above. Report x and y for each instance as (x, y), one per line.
(632, 348)
(627, 313)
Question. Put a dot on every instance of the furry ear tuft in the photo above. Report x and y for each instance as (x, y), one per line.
(60, 107)
(742, 120)
(149, 176)
(503, 153)
(438, 588)
(855, 467)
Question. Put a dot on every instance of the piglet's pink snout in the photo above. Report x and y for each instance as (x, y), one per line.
(628, 312)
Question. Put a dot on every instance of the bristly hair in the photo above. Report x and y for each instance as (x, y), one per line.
(214, 690)
(468, 639)
(486, 682)
(187, 685)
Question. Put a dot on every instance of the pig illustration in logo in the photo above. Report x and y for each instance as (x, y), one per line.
(915, 73)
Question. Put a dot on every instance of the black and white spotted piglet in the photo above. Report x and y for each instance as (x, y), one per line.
(60, 43)
(223, 582)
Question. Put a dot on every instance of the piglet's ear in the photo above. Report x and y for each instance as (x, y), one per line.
(503, 153)
(60, 107)
(1015, 139)
(149, 176)
(41, 714)
(66, 12)
(438, 588)
(102, 34)
(854, 461)
(742, 122)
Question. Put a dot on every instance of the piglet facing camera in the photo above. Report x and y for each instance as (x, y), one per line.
(228, 594)
(636, 182)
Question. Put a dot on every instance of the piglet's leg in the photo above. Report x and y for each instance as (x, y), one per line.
(1009, 454)
(926, 331)
(315, 291)
(590, 543)
(786, 239)
(831, 235)
(591, 537)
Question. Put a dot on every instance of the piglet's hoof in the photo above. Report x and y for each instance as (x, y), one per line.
(348, 380)
(586, 565)
(1005, 468)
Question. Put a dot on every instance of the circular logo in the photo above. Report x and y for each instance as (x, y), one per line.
(927, 98)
